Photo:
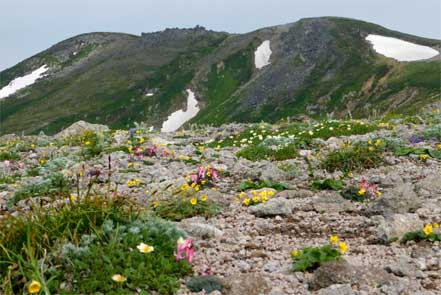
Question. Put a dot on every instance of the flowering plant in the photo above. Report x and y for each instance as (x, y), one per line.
(187, 247)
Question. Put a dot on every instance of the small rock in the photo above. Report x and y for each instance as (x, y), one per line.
(340, 289)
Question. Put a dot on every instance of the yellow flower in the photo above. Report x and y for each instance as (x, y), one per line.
(428, 229)
(130, 149)
(247, 201)
(141, 140)
(130, 165)
(155, 204)
(361, 192)
(295, 253)
(42, 161)
(201, 149)
(138, 131)
(204, 198)
(193, 201)
(187, 158)
(185, 187)
(256, 199)
(34, 287)
(119, 278)
(270, 193)
(242, 194)
(254, 192)
(72, 198)
(379, 193)
(144, 248)
(343, 247)
(333, 239)
(436, 225)
(87, 143)
(350, 174)
(370, 141)
(263, 194)
(438, 146)
(371, 148)
(424, 157)
(377, 142)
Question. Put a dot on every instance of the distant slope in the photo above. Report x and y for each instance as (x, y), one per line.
(318, 66)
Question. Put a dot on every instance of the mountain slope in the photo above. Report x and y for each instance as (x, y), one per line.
(317, 67)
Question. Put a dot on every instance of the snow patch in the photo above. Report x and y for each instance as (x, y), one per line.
(399, 49)
(178, 118)
(262, 55)
(22, 82)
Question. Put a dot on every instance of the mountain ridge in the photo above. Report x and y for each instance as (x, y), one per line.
(318, 67)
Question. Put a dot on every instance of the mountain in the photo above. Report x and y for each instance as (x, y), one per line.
(315, 67)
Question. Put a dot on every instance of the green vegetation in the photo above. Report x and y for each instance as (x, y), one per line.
(204, 283)
(354, 158)
(177, 208)
(84, 244)
(258, 184)
(311, 258)
(328, 184)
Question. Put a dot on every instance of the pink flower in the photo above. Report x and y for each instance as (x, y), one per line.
(7, 163)
(187, 247)
(201, 173)
(194, 178)
(214, 174)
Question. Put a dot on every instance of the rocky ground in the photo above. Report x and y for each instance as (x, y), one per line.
(249, 247)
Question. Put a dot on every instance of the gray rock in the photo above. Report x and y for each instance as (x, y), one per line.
(295, 194)
(340, 289)
(77, 128)
(341, 272)
(405, 267)
(330, 201)
(274, 207)
(198, 227)
(245, 284)
(395, 226)
(429, 186)
(401, 199)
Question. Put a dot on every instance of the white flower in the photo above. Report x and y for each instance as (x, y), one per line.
(144, 248)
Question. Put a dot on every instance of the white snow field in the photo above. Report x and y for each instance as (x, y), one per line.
(262, 55)
(399, 49)
(22, 82)
(178, 118)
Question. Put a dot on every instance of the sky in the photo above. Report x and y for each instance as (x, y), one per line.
(30, 26)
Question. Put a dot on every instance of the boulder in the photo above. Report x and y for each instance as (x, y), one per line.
(342, 272)
(274, 207)
(77, 128)
(395, 226)
(401, 199)
(199, 228)
(245, 284)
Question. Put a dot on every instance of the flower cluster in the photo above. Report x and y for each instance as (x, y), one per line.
(203, 176)
(255, 197)
(369, 189)
(133, 182)
(185, 247)
(342, 246)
